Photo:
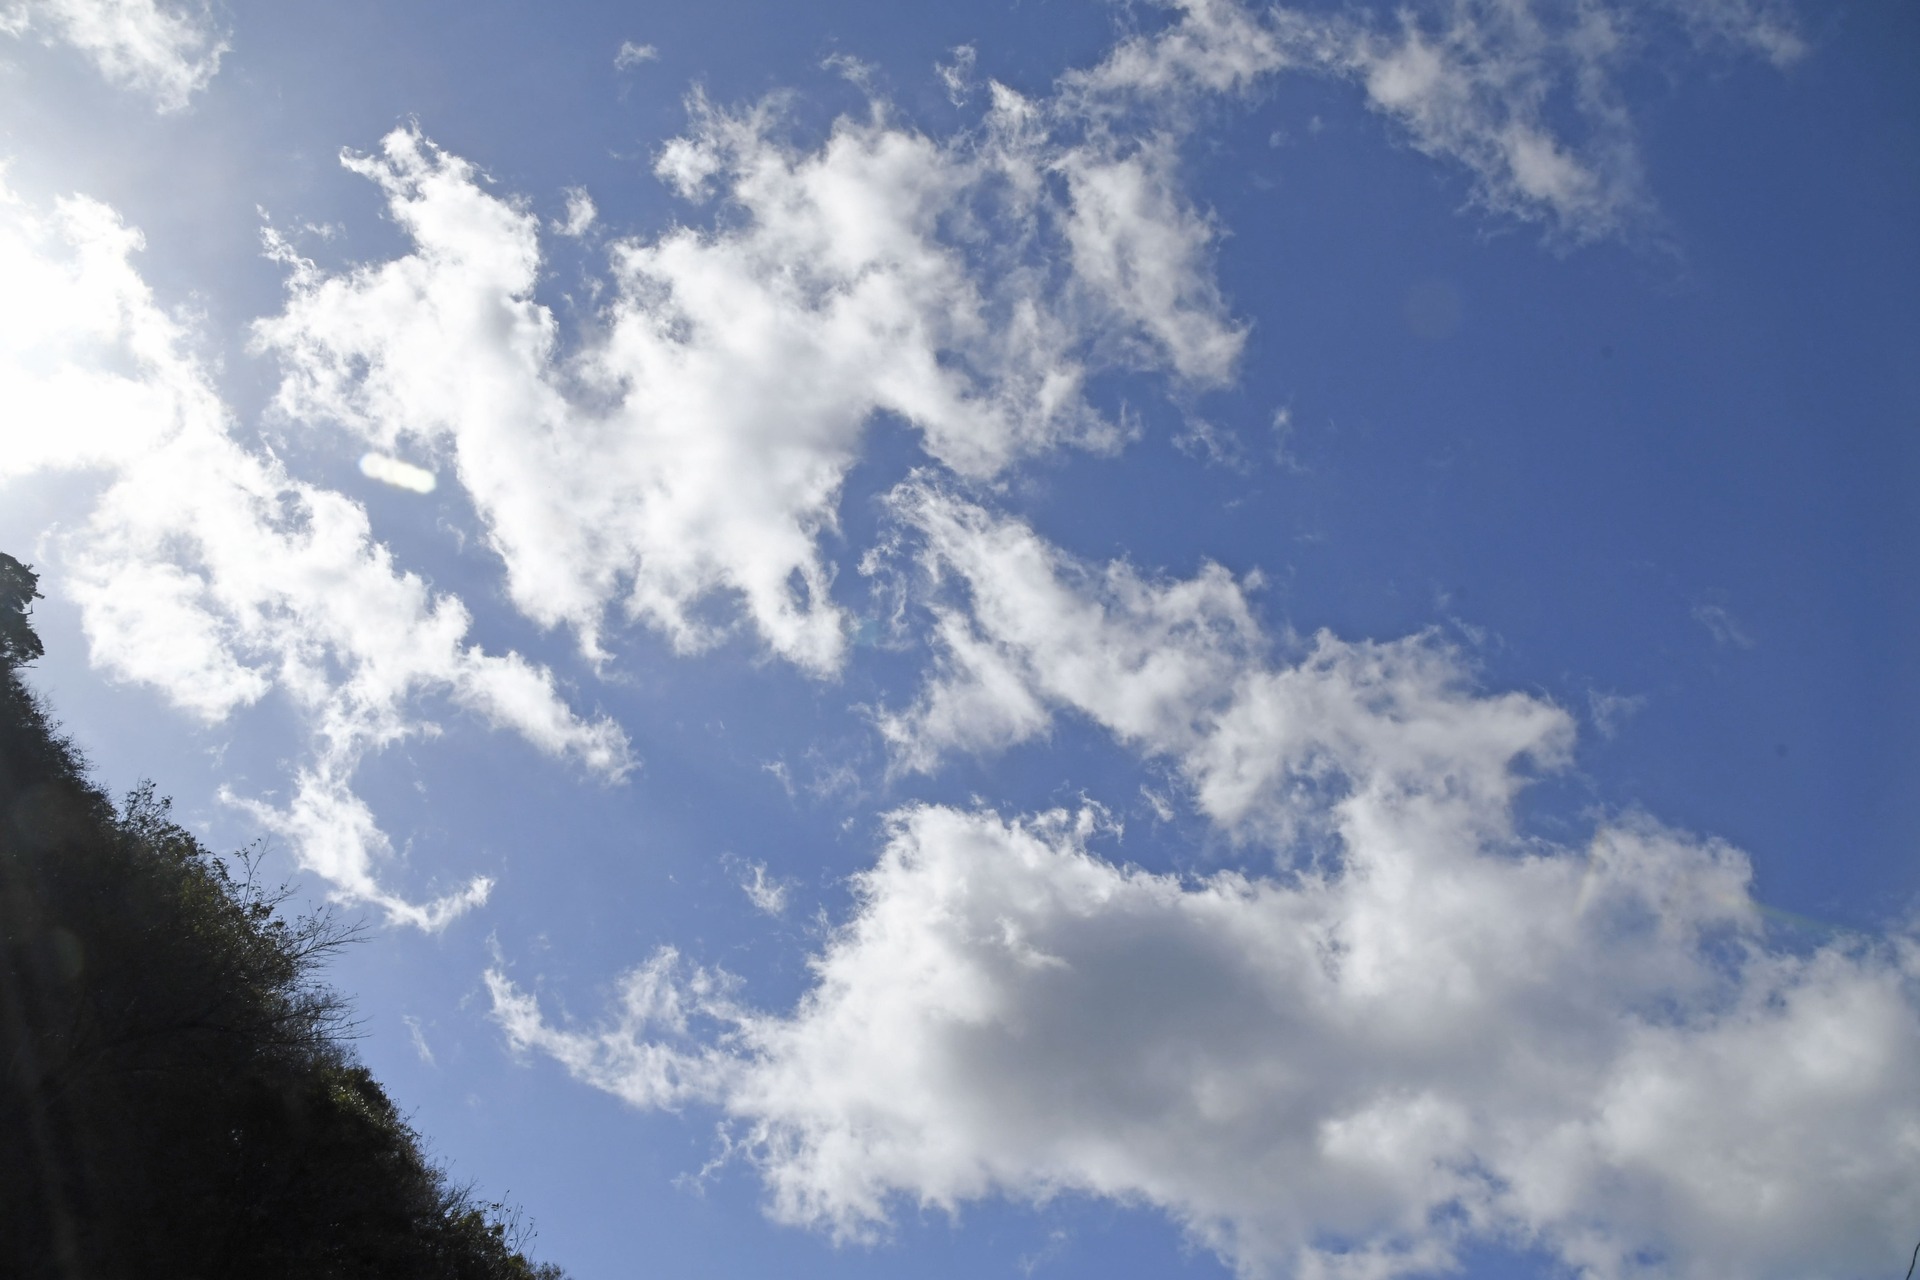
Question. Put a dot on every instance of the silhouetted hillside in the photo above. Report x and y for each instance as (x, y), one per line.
(176, 1101)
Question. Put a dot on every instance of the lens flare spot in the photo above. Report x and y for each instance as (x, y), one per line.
(401, 475)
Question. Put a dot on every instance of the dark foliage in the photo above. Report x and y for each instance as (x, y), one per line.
(18, 643)
(175, 1097)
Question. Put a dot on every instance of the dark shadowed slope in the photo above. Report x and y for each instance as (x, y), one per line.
(175, 1099)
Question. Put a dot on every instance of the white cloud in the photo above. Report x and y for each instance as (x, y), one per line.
(1766, 27)
(1180, 669)
(1140, 247)
(981, 701)
(1474, 83)
(1481, 82)
(210, 573)
(855, 71)
(958, 74)
(1142, 658)
(1726, 630)
(768, 894)
(683, 459)
(1488, 84)
(166, 52)
(1434, 1042)
(1211, 47)
(73, 303)
(1609, 711)
(692, 449)
(632, 55)
(581, 214)
(421, 1048)
(1424, 1031)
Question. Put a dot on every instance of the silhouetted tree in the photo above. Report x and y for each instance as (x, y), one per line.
(18, 590)
(175, 1096)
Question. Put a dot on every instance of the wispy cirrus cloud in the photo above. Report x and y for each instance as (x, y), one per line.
(210, 573)
(1720, 622)
(1524, 96)
(768, 894)
(633, 54)
(167, 52)
(1527, 97)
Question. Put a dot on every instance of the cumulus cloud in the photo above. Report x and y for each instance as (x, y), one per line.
(1038, 630)
(1417, 1029)
(166, 52)
(692, 448)
(210, 573)
(1357, 1072)
(1179, 669)
(1430, 1033)
(1420, 1031)
(682, 459)
(74, 297)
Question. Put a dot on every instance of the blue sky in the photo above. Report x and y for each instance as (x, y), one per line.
(1060, 639)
